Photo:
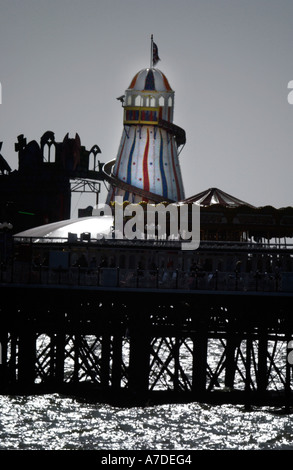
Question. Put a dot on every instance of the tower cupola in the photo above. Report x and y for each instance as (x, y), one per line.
(149, 92)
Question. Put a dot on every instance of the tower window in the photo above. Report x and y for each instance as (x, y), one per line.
(48, 152)
(153, 102)
(161, 101)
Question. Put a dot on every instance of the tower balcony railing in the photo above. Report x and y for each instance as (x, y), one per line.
(113, 278)
(141, 115)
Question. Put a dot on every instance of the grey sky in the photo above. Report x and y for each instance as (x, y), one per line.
(64, 62)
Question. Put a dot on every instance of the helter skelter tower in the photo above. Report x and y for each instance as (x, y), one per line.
(147, 164)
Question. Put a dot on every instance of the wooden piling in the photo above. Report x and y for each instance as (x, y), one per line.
(200, 347)
(232, 343)
(139, 359)
(288, 398)
(77, 344)
(58, 357)
(105, 360)
(26, 357)
(262, 378)
(116, 360)
(248, 369)
(3, 359)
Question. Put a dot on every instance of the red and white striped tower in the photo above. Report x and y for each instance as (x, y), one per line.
(147, 164)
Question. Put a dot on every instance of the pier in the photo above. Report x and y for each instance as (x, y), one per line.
(129, 333)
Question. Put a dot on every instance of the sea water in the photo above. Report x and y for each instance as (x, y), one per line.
(56, 422)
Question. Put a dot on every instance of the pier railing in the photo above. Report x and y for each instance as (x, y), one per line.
(23, 273)
(86, 240)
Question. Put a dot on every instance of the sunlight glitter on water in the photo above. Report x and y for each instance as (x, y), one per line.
(52, 422)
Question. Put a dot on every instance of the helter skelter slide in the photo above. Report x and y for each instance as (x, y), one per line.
(147, 164)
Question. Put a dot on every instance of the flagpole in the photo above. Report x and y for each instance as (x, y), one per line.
(151, 52)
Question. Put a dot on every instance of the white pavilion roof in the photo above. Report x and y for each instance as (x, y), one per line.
(95, 225)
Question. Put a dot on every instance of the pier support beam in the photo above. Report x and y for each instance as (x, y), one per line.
(262, 375)
(26, 357)
(57, 357)
(288, 398)
(248, 369)
(117, 360)
(105, 360)
(200, 347)
(4, 376)
(233, 343)
(77, 344)
(139, 360)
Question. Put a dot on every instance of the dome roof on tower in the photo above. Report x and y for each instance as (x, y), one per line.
(150, 80)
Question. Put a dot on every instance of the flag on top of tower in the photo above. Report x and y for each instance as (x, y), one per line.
(156, 57)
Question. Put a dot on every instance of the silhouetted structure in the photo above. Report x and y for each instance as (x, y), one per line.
(39, 192)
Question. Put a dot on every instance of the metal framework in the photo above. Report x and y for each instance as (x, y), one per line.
(79, 185)
(211, 348)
